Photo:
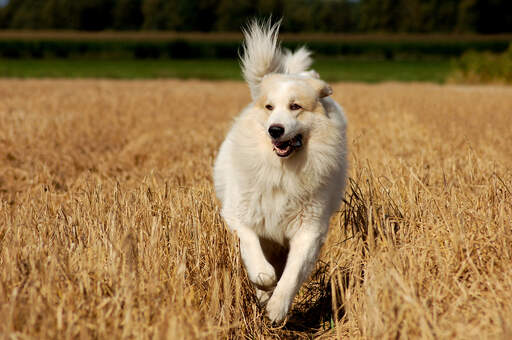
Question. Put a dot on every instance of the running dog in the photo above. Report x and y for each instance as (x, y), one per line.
(280, 173)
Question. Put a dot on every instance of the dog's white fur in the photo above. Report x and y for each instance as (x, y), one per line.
(280, 207)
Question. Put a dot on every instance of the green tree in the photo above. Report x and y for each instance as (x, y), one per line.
(274, 8)
(27, 15)
(159, 14)
(127, 14)
(333, 16)
(466, 16)
(231, 15)
(8, 12)
(179, 15)
(494, 16)
(298, 15)
(380, 15)
(199, 15)
(60, 14)
(483, 16)
(94, 15)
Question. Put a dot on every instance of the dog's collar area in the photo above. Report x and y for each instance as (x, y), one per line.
(285, 148)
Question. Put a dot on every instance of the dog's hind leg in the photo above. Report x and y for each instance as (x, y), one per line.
(275, 254)
(304, 248)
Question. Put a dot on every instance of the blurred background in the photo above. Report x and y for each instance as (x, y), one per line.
(353, 40)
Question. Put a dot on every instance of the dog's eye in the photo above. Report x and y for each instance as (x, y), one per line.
(295, 107)
(269, 107)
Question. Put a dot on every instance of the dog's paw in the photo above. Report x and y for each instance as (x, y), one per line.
(265, 278)
(277, 307)
(263, 296)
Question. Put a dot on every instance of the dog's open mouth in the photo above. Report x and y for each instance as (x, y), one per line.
(284, 149)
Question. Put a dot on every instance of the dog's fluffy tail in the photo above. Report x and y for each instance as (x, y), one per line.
(298, 61)
(262, 54)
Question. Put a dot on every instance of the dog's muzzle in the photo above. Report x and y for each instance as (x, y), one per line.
(284, 149)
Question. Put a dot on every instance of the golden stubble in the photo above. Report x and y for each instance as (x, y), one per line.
(109, 227)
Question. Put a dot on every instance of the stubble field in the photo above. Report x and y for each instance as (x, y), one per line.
(109, 227)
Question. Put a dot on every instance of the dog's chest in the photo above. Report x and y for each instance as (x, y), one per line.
(273, 213)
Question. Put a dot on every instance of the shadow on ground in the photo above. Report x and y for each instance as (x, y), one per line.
(313, 313)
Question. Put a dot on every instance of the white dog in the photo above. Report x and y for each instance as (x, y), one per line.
(280, 174)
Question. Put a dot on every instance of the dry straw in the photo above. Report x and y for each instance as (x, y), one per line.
(109, 227)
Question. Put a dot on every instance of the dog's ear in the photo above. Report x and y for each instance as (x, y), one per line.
(322, 88)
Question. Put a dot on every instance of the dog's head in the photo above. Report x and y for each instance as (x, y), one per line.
(290, 103)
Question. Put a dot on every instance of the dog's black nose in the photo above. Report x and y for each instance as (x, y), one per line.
(276, 131)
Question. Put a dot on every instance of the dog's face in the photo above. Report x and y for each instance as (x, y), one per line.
(290, 102)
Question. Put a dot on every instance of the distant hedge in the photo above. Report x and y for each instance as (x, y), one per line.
(483, 67)
(185, 49)
(113, 49)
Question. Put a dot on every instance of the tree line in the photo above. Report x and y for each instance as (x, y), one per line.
(419, 16)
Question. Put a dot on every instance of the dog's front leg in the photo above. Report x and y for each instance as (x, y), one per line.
(261, 273)
(304, 248)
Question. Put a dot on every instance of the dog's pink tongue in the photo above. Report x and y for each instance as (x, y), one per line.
(283, 150)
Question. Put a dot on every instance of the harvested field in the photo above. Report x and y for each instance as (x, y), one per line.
(109, 227)
(237, 36)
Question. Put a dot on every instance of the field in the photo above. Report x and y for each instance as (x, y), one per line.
(231, 36)
(334, 69)
(109, 227)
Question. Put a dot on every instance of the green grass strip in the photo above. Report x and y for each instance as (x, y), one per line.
(330, 69)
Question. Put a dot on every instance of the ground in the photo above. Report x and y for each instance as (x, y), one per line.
(109, 227)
